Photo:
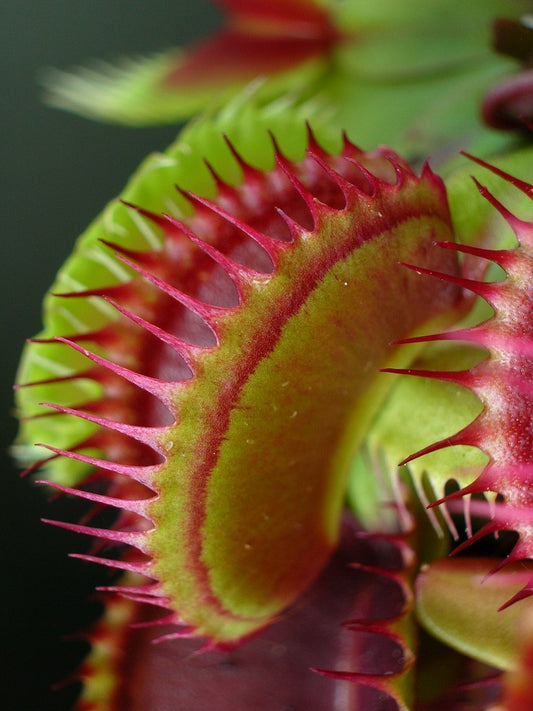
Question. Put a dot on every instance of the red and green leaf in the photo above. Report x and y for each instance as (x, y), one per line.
(225, 360)
(241, 398)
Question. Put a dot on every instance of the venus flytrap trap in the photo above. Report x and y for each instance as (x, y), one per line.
(271, 356)
(296, 231)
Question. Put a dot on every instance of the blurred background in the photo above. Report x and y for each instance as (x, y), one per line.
(57, 172)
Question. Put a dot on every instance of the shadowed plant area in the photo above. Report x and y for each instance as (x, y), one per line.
(289, 371)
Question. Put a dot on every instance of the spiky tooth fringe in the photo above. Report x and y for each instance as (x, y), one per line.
(503, 382)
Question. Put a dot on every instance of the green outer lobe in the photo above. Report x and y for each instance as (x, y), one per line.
(262, 492)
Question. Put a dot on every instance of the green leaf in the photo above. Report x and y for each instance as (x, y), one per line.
(457, 603)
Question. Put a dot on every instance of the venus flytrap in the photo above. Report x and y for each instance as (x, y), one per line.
(296, 279)
(227, 363)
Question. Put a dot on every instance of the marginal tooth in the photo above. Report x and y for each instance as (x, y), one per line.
(39, 415)
(145, 435)
(477, 334)
(142, 474)
(461, 377)
(208, 313)
(105, 337)
(526, 188)
(162, 390)
(149, 600)
(481, 288)
(504, 257)
(166, 620)
(313, 146)
(250, 174)
(241, 276)
(374, 681)
(188, 351)
(153, 240)
(349, 191)
(403, 170)
(223, 190)
(185, 633)
(274, 248)
(470, 435)
(524, 593)
(121, 291)
(487, 529)
(308, 197)
(152, 590)
(148, 260)
(137, 568)
(39, 464)
(130, 538)
(519, 227)
(160, 220)
(296, 231)
(137, 506)
(487, 336)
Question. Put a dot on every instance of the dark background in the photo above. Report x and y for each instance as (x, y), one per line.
(57, 173)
